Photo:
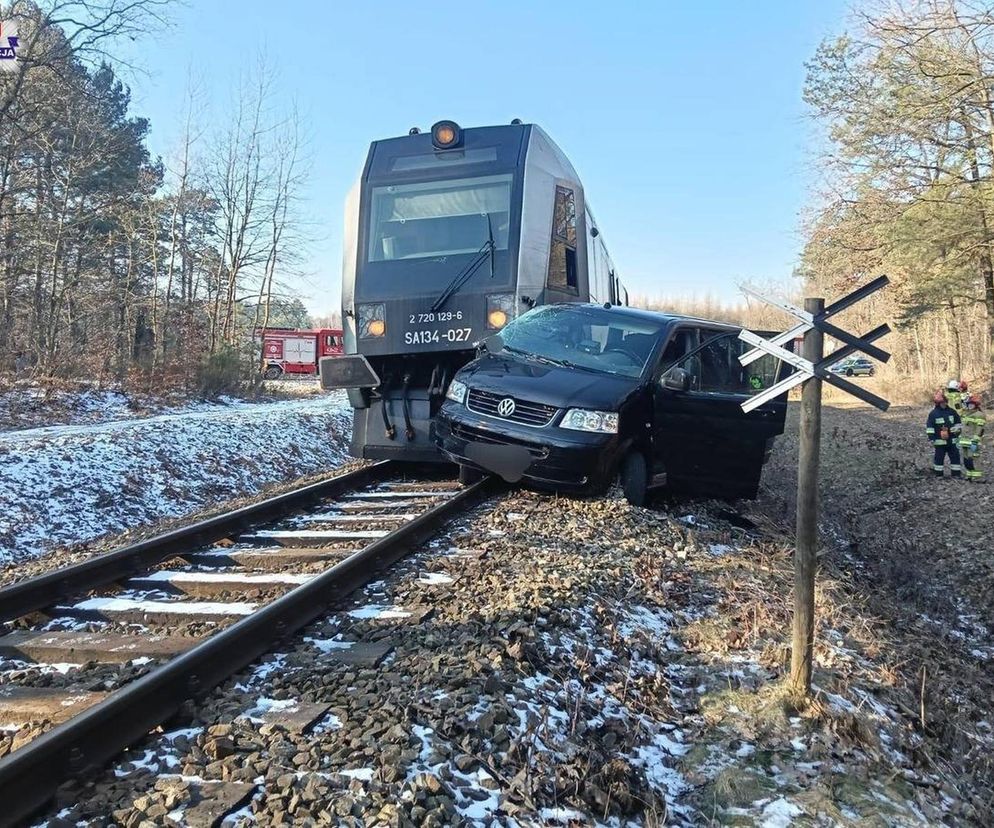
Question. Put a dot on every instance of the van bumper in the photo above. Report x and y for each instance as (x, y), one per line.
(548, 457)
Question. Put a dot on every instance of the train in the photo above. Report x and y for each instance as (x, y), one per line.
(449, 235)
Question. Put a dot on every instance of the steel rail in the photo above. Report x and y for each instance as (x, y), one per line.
(31, 775)
(33, 594)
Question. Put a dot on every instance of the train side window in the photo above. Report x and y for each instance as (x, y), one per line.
(562, 255)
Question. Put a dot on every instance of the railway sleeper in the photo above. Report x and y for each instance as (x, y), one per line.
(272, 559)
(69, 647)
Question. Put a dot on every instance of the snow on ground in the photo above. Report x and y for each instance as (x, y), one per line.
(68, 484)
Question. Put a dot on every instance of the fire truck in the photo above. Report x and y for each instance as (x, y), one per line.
(289, 351)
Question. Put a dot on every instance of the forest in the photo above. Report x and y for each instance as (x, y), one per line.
(119, 266)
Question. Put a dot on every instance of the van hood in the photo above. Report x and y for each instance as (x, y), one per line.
(553, 385)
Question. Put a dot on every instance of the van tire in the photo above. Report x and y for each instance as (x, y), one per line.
(468, 475)
(634, 478)
(272, 372)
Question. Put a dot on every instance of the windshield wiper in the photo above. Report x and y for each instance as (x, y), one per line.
(487, 249)
(565, 363)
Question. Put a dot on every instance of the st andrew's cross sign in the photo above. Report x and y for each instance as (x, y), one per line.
(805, 369)
(811, 368)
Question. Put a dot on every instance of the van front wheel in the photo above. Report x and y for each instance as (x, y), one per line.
(634, 478)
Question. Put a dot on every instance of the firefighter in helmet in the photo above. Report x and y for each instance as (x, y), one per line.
(954, 395)
(971, 435)
(942, 430)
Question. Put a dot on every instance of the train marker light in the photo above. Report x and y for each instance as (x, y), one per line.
(446, 135)
(372, 320)
(500, 307)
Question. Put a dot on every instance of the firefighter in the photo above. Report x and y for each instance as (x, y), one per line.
(971, 435)
(954, 396)
(942, 431)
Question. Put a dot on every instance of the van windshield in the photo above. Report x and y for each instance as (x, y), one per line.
(596, 339)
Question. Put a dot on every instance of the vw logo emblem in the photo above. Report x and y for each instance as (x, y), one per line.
(505, 407)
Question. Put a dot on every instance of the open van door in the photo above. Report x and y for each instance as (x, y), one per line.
(708, 444)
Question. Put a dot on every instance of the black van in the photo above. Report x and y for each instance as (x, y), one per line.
(569, 396)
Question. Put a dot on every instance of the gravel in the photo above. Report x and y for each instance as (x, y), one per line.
(583, 662)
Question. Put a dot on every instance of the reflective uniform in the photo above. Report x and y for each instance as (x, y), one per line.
(969, 440)
(955, 400)
(942, 430)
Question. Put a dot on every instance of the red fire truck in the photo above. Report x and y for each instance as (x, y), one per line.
(298, 352)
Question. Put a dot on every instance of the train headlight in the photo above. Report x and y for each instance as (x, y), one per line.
(580, 419)
(372, 320)
(456, 392)
(500, 309)
(446, 135)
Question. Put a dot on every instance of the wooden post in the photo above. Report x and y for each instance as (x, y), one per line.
(805, 556)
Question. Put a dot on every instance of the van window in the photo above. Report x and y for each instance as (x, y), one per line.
(682, 342)
(715, 367)
(562, 254)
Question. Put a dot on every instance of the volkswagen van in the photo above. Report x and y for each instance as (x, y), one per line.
(576, 396)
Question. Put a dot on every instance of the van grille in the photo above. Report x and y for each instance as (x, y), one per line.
(478, 435)
(526, 413)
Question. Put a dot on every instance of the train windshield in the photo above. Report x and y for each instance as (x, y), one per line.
(582, 337)
(439, 218)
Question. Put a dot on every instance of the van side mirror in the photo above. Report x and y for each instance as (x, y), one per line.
(676, 379)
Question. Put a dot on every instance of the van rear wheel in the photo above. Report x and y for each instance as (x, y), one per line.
(634, 478)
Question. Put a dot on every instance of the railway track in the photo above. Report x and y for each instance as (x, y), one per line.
(184, 611)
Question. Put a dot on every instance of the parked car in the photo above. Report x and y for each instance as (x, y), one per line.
(575, 396)
(854, 367)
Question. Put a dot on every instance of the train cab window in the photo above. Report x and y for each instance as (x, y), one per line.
(439, 218)
(563, 273)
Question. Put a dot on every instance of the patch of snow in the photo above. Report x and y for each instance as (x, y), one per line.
(435, 579)
(264, 705)
(563, 815)
(393, 495)
(779, 813)
(72, 484)
(378, 611)
(173, 607)
(362, 774)
(718, 549)
(226, 577)
(327, 645)
(324, 534)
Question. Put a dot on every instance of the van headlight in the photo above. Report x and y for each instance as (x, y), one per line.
(580, 419)
(372, 320)
(456, 392)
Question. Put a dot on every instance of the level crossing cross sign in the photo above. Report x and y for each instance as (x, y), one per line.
(805, 368)
(811, 368)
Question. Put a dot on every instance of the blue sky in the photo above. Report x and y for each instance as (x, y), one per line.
(684, 120)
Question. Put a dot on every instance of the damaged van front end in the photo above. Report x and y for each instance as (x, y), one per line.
(535, 433)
